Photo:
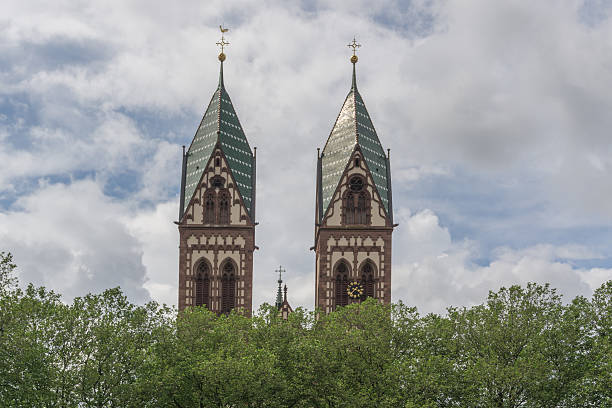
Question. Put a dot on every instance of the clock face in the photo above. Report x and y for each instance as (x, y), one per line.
(355, 290)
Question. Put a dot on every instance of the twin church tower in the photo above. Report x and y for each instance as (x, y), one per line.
(353, 212)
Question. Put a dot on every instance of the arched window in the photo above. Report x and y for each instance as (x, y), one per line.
(349, 209)
(209, 207)
(356, 202)
(361, 213)
(341, 284)
(228, 288)
(224, 207)
(367, 280)
(202, 285)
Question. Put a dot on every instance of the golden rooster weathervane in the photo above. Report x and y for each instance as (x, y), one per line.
(222, 43)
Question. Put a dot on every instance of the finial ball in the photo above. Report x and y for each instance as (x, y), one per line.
(354, 59)
(222, 57)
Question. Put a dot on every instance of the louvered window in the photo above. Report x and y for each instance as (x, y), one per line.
(209, 207)
(367, 280)
(356, 202)
(360, 213)
(224, 207)
(202, 284)
(341, 284)
(228, 288)
(349, 209)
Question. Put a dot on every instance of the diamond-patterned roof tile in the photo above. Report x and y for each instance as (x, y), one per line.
(353, 127)
(220, 124)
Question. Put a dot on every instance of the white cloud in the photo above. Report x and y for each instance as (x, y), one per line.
(159, 239)
(111, 143)
(72, 239)
(439, 273)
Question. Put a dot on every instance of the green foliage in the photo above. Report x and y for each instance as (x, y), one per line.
(87, 354)
(521, 348)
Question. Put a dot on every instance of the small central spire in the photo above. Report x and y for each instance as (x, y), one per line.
(354, 45)
(279, 295)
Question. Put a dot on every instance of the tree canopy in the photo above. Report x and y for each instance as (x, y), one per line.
(522, 347)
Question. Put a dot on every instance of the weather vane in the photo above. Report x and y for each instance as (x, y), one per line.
(222, 43)
(280, 271)
(354, 45)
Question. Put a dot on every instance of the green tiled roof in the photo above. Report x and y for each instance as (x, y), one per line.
(220, 124)
(353, 127)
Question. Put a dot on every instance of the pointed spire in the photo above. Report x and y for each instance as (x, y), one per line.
(353, 119)
(220, 126)
(285, 308)
(221, 73)
(279, 293)
(279, 296)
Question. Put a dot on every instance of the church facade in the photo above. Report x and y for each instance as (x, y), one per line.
(353, 212)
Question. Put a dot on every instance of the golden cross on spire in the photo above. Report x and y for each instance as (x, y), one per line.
(354, 45)
(222, 43)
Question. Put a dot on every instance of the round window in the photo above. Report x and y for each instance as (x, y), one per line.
(356, 184)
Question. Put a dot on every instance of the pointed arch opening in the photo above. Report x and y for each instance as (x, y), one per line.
(349, 208)
(202, 284)
(342, 273)
(228, 287)
(209, 207)
(224, 207)
(217, 202)
(356, 205)
(368, 279)
(361, 212)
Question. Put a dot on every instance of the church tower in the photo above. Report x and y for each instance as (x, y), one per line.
(353, 212)
(217, 210)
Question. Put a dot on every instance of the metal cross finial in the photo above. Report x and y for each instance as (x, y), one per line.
(280, 271)
(222, 43)
(354, 45)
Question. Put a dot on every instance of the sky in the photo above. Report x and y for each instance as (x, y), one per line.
(497, 114)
